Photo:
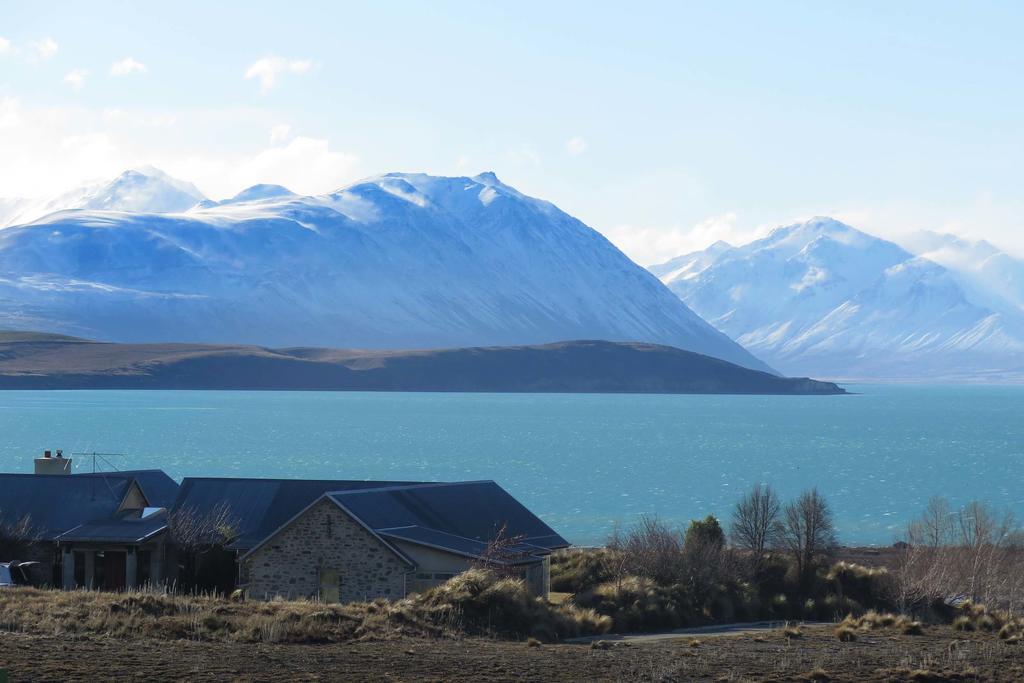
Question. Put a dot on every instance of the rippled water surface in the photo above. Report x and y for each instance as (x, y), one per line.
(583, 462)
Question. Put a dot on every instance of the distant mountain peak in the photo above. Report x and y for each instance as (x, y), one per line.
(821, 297)
(261, 191)
(487, 178)
(145, 189)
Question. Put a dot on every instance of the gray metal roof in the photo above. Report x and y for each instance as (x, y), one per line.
(126, 528)
(461, 517)
(258, 507)
(57, 503)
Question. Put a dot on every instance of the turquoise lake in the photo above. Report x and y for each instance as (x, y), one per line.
(583, 462)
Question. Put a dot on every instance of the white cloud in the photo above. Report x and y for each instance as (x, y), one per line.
(76, 78)
(280, 133)
(126, 66)
(43, 49)
(462, 162)
(576, 145)
(270, 69)
(650, 245)
(525, 155)
(304, 164)
(5, 46)
(10, 112)
(52, 149)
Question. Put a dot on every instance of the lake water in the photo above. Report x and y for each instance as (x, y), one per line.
(582, 462)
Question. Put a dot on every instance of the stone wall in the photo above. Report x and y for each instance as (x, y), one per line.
(322, 540)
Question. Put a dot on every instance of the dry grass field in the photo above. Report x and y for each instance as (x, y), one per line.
(938, 654)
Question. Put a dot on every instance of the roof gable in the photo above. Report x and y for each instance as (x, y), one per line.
(331, 501)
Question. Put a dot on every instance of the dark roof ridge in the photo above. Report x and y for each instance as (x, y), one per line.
(287, 479)
(416, 485)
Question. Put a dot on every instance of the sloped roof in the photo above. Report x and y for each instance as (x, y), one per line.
(459, 517)
(259, 507)
(57, 503)
(125, 528)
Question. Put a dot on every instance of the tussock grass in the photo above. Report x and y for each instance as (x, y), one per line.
(871, 620)
(477, 602)
(574, 570)
(964, 623)
(639, 604)
(845, 633)
(909, 627)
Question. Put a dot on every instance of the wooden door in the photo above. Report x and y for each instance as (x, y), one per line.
(330, 586)
(114, 575)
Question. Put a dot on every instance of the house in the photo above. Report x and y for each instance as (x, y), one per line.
(335, 540)
(101, 530)
(388, 541)
(248, 510)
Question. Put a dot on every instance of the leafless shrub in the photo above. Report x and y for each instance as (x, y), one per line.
(16, 536)
(651, 550)
(502, 554)
(974, 553)
(192, 530)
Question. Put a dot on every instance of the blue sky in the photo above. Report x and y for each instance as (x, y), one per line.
(664, 125)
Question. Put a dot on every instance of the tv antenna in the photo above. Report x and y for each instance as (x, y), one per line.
(102, 456)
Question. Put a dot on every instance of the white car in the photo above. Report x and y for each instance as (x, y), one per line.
(14, 574)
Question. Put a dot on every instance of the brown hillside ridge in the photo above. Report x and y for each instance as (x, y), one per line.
(40, 361)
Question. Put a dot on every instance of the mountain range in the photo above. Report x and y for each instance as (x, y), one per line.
(397, 261)
(825, 299)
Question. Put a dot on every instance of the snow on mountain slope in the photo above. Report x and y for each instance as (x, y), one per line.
(824, 299)
(989, 274)
(146, 189)
(396, 261)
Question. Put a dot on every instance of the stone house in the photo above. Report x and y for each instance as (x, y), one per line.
(388, 541)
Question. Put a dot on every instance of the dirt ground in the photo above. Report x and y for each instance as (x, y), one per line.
(941, 653)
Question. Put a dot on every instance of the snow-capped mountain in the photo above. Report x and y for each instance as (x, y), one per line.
(396, 261)
(824, 299)
(146, 190)
(986, 272)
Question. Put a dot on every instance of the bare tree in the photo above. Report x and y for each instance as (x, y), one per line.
(755, 522)
(808, 531)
